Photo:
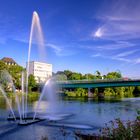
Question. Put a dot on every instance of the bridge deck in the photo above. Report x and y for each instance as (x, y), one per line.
(99, 83)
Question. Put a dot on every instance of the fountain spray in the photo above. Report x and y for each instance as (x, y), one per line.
(40, 41)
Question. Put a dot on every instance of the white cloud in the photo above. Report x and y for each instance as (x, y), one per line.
(121, 59)
(119, 23)
(98, 33)
(137, 61)
(61, 51)
(120, 20)
(96, 55)
(112, 57)
(118, 30)
(112, 46)
(56, 49)
(123, 54)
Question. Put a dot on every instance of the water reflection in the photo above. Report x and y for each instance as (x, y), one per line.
(70, 113)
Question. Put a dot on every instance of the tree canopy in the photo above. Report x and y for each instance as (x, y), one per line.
(31, 82)
(2, 65)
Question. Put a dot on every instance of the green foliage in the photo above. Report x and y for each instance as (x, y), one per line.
(79, 92)
(120, 130)
(68, 73)
(31, 82)
(60, 77)
(138, 114)
(33, 95)
(89, 76)
(136, 91)
(2, 65)
(98, 75)
(119, 91)
(6, 80)
(109, 92)
(76, 76)
(113, 75)
(3, 80)
(138, 88)
(15, 72)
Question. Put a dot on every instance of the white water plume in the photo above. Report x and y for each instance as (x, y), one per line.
(6, 78)
(35, 28)
(7, 100)
(49, 91)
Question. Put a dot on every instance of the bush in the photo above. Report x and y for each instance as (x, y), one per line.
(120, 130)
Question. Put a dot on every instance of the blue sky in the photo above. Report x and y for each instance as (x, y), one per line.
(80, 35)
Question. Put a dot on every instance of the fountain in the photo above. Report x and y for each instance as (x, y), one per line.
(35, 25)
(48, 90)
(7, 100)
(22, 108)
(6, 77)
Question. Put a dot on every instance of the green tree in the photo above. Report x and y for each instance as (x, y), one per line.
(5, 80)
(113, 75)
(76, 76)
(80, 92)
(60, 77)
(68, 73)
(2, 65)
(15, 72)
(98, 75)
(136, 91)
(89, 76)
(32, 83)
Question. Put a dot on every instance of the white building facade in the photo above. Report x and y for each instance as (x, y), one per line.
(41, 71)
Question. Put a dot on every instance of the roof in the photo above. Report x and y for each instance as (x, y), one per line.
(7, 59)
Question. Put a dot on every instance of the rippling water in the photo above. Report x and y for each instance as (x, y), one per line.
(70, 115)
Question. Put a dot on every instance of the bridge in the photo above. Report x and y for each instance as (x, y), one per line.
(98, 83)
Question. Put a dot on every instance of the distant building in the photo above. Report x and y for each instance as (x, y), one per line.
(8, 61)
(41, 71)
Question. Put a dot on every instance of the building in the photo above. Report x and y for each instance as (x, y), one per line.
(8, 61)
(41, 71)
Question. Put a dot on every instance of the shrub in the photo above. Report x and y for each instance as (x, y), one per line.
(120, 130)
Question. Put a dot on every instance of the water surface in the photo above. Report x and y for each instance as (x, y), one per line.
(68, 116)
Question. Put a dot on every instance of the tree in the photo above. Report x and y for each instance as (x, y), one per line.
(89, 76)
(80, 92)
(113, 75)
(76, 76)
(32, 82)
(68, 73)
(60, 77)
(98, 75)
(2, 65)
(15, 72)
(5, 80)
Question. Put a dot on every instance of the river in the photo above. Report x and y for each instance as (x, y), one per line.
(68, 115)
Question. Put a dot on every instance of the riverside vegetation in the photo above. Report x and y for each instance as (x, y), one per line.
(116, 129)
(119, 92)
(120, 130)
(16, 70)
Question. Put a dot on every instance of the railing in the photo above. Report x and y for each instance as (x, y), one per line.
(96, 81)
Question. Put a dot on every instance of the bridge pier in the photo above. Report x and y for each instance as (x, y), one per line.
(90, 94)
(101, 93)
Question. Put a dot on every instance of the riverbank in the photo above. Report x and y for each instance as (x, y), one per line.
(36, 95)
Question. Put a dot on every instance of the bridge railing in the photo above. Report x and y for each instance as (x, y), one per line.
(95, 80)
